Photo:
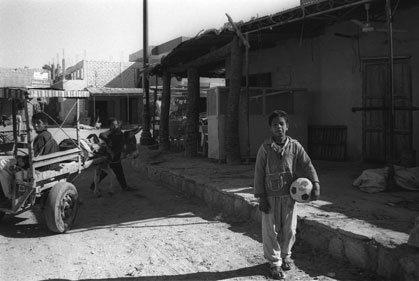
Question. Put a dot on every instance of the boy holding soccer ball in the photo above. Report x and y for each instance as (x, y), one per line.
(280, 160)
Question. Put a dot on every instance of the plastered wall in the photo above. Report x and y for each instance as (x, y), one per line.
(329, 67)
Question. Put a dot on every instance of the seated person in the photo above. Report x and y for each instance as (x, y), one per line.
(43, 144)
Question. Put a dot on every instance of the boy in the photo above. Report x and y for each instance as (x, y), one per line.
(279, 161)
(43, 143)
(114, 140)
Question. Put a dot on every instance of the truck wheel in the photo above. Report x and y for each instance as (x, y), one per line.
(61, 207)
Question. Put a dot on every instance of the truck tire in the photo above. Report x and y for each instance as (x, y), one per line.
(1, 215)
(61, 207)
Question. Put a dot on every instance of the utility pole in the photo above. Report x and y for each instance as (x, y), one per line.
(146, 138)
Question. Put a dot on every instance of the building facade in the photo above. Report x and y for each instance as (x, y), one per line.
(114, 88)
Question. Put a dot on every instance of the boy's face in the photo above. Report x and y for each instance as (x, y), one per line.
(279, 127)
(114, 125)
(39, 125)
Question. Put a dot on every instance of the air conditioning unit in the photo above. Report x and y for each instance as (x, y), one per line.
(216, 114)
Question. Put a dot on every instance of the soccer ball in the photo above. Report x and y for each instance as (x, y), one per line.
(301, 189)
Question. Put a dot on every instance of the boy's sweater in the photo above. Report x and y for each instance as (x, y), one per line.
(276, 168)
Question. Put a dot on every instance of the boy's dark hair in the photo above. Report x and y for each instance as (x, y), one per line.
(113, 119)
(278, 113)
(40, 116)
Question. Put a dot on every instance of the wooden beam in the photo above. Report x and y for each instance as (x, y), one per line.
(164, 136)
(232, 139)
(209, 58)
(192, 113)
(238, 32)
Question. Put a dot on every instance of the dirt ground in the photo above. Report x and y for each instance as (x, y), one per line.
(152, 233)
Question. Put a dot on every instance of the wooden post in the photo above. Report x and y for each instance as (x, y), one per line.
(78, 132)
(192, 113)
(15, 133)
(245, 103)
(94, 111)
(31, 170)
(232, 141)
(128, 110)
(78, 121)
(155, 110)
(165, 109)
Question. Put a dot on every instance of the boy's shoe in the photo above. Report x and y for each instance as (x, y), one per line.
(287, 264)
(277, 273)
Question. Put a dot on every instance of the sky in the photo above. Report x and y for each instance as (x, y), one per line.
(38, 32)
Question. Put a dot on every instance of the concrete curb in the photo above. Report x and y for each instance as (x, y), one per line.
(391, 261)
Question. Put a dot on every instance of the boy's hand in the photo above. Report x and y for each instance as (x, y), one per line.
(315, 192)
(264, 205)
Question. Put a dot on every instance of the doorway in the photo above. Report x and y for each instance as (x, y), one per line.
(129, 110)
(101, 113)
(376, 102)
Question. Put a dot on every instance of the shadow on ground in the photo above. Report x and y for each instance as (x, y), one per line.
(122, 210)
(126, 209)
(238, 273)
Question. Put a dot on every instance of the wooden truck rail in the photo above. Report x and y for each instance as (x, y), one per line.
(52, 189)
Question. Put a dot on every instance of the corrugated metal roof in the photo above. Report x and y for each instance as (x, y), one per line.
(44, 93)
(305, 21)
(19, 93)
